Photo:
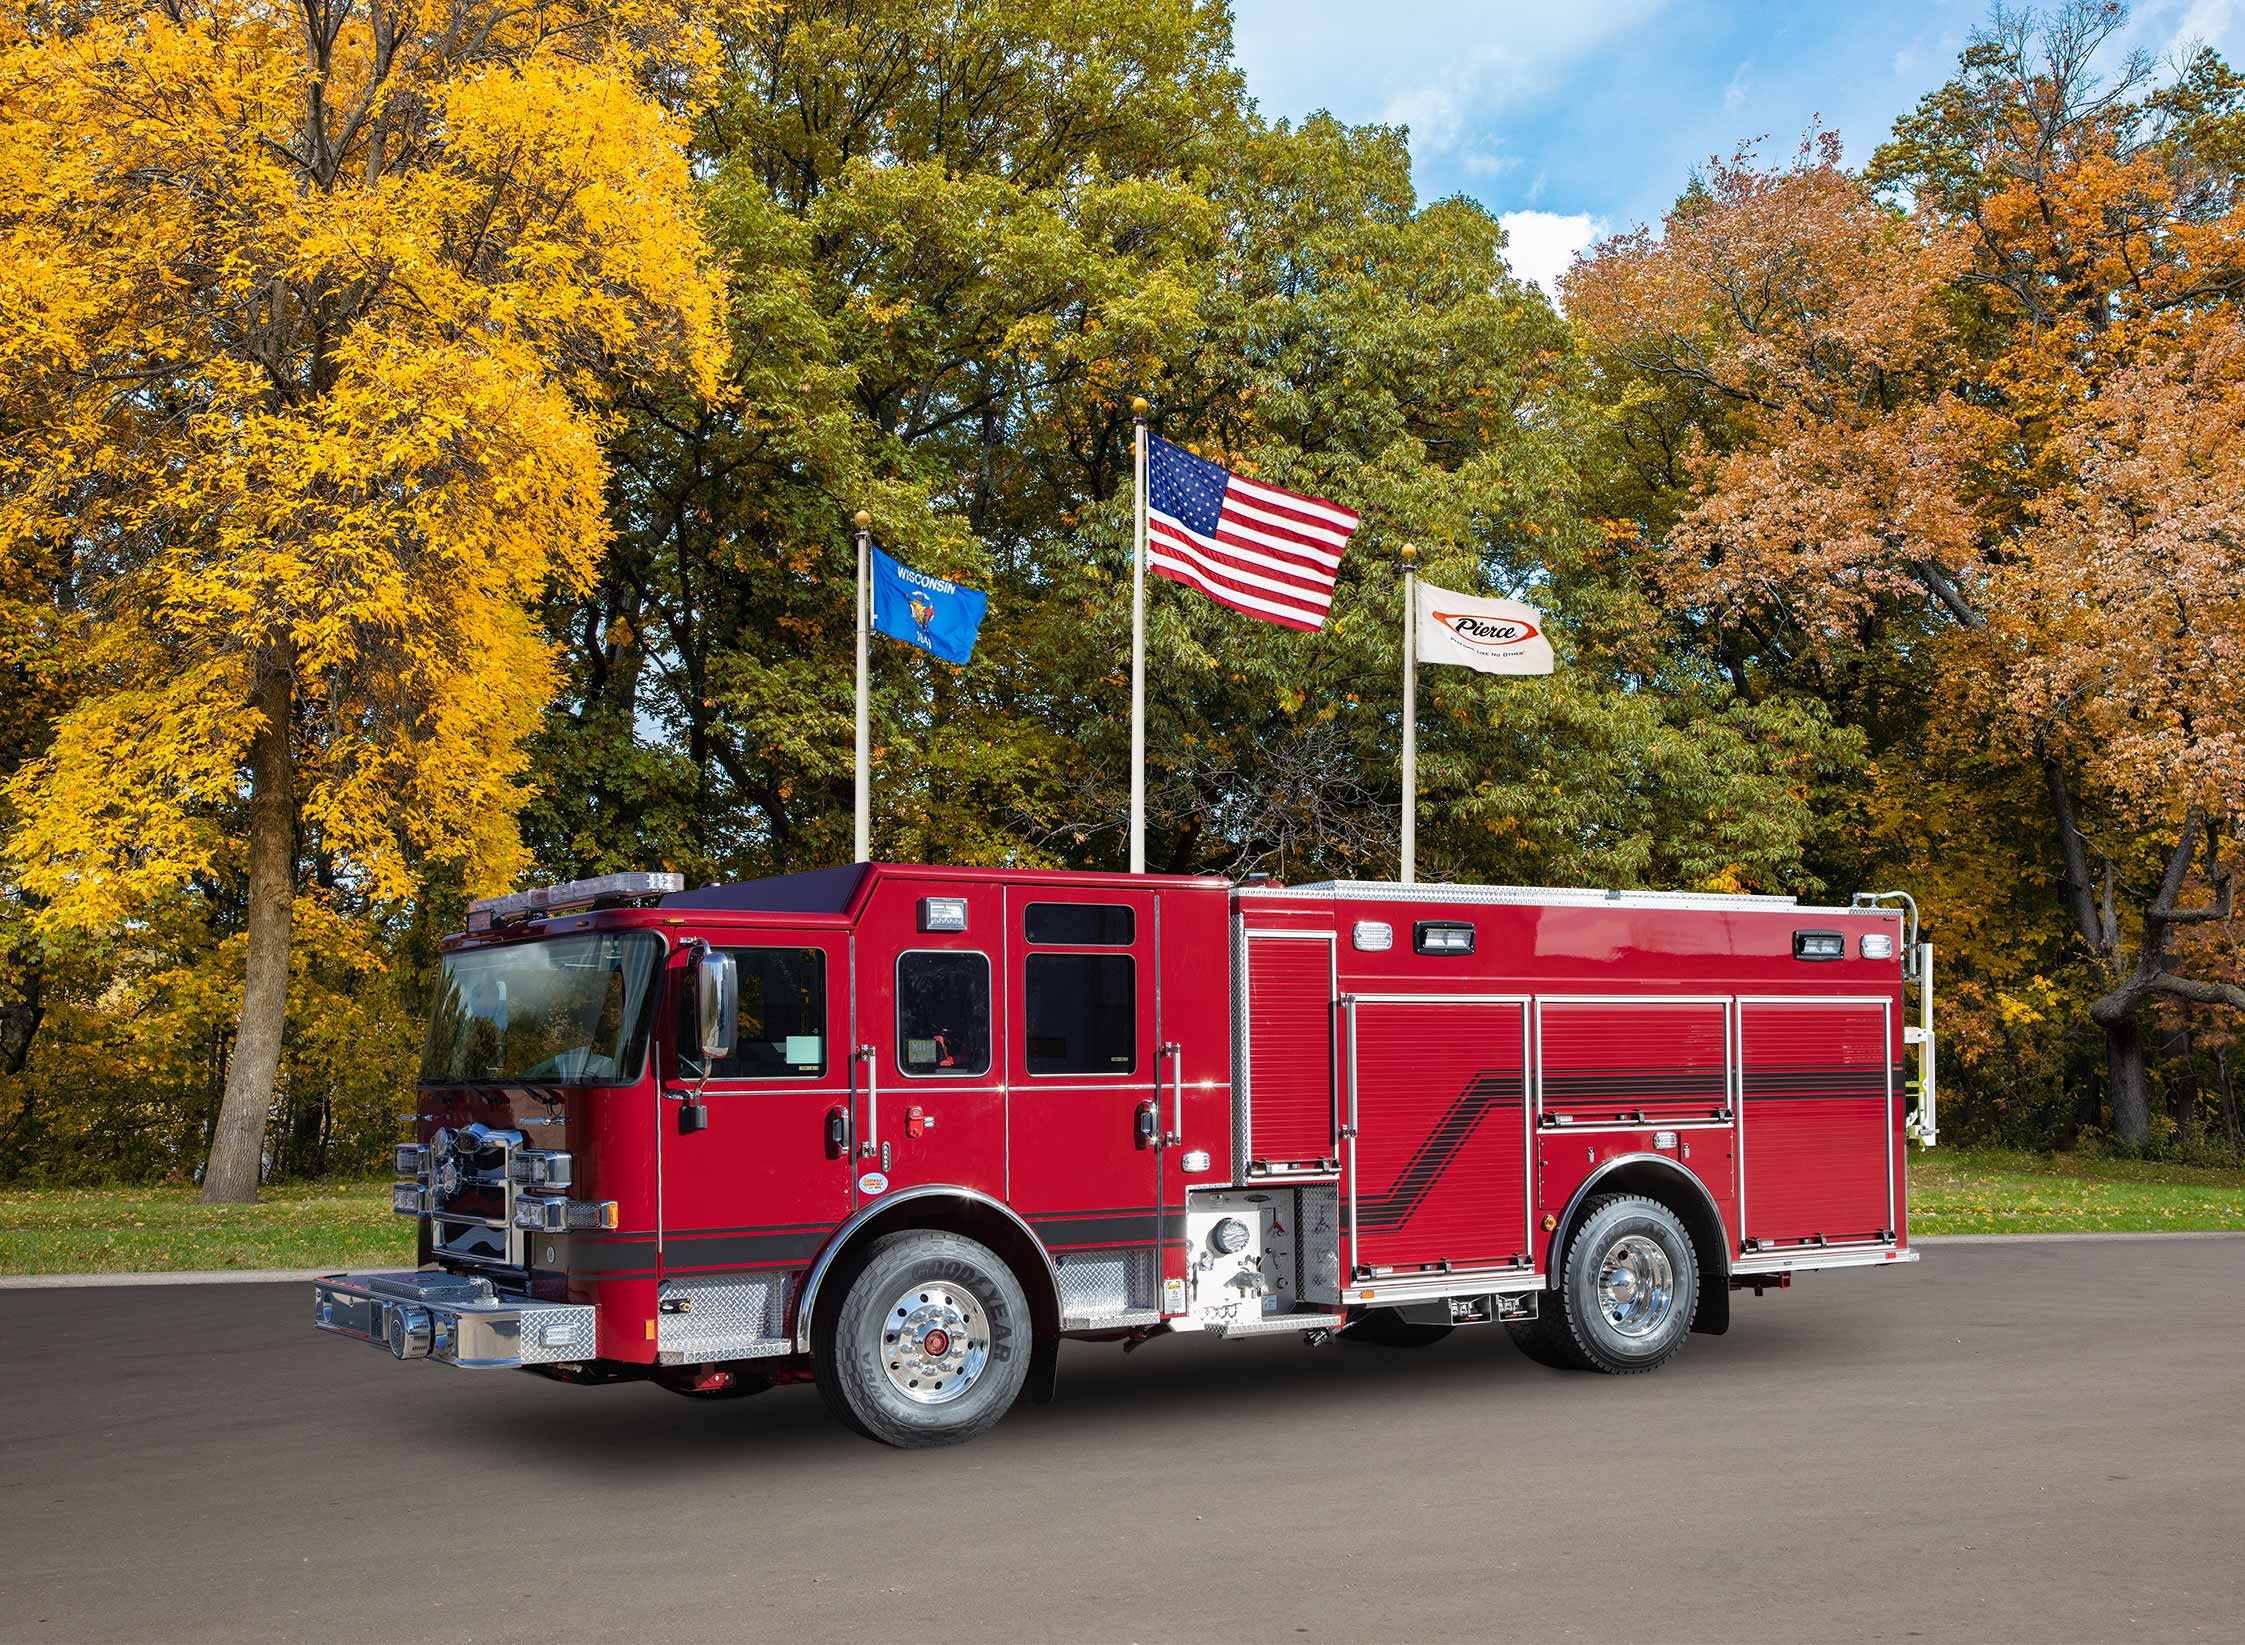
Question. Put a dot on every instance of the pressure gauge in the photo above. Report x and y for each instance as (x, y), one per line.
(1229, 1236)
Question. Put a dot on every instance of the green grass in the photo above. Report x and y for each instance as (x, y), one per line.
(1987, 1191)
(129, 1230)
(142, 1230)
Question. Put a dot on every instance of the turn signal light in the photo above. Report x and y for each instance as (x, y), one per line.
(409, 1199)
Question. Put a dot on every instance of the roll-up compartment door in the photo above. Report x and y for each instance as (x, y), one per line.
(1816, 1122)
(1616, 1062)
(1440, 1158)
(1289, 1073)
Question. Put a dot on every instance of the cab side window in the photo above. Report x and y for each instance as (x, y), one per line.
(943, 1013)
(1080, 1014)
(781, 1031)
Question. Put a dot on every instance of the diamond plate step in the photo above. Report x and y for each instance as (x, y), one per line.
(1265, 1325)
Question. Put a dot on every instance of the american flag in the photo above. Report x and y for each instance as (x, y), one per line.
(1270, 553)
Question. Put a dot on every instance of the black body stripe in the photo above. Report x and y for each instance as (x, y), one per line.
(1582, 1085)
(1849, 1080)
(1489, 1091)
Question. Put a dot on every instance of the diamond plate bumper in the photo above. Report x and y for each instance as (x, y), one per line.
(454, 1319)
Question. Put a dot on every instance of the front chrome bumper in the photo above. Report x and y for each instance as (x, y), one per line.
(454, 1319)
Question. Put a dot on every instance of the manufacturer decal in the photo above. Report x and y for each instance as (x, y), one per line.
(1488, 634)
(873, 1182)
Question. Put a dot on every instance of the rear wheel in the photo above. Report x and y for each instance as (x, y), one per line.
(1628, 1289)
(1387, 1328)
(931, 1343)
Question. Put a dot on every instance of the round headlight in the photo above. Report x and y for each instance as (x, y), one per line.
(1229, 1236)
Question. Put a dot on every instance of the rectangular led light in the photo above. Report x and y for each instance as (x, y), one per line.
(1442, 937)
(409, 1199)
(1373, 936)
(1877, 945)
(1819, 945)
(943, 913)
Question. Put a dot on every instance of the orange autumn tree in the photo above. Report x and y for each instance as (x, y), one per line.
(311, 311)
(1917, 428)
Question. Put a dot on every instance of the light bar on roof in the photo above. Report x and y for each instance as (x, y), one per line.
(486, 912)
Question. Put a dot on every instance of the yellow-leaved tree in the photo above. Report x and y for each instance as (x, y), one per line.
(308, 313)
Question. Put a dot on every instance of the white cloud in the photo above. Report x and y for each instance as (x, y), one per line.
(1445, 68)
(1734, 94)
(1540, 244)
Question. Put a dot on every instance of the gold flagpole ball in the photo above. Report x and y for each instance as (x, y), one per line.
(1139, 408)
(863, 519)
(1410, 553)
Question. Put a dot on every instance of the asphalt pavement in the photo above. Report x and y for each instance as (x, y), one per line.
(2036, 1442)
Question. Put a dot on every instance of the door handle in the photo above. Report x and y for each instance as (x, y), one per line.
(1145, 1123)
(837, 1132)
(1176, 1055)
(871, 1143)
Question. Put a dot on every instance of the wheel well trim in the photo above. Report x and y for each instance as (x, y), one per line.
(806, 1302)
(1668, 1168)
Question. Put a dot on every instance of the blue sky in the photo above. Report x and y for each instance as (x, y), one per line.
(1574, 118)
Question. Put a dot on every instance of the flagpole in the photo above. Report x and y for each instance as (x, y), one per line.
(864, 761)
(1138, 410)
(1410, 715)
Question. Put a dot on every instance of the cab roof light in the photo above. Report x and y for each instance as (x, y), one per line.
(602, 890)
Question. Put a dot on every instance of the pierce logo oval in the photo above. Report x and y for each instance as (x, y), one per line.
(1488, 633)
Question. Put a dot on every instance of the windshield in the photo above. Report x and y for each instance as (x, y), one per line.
(563, 1011)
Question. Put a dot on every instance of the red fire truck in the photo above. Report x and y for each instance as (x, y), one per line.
(902, 1130)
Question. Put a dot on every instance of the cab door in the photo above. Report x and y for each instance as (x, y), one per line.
(932, 1019)
(761, 1183)
(1083, 1066)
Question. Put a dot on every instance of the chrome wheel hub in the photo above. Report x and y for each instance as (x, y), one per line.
(1636, 1286)
(935, 1341)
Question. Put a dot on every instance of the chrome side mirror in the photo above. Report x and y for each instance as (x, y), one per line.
(717, 998)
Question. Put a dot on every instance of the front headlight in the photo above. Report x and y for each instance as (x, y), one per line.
(409, 1199)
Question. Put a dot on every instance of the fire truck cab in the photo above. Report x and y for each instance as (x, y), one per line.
(901, 1130)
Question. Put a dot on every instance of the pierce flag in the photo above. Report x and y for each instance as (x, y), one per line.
(1494, 636)
(939, 616)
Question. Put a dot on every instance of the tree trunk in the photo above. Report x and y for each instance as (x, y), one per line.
(2124, 1081)
(2229, 1096)
(238, 1141)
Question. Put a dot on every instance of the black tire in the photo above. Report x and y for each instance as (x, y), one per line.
(874, 1363)
(1578, 1330)
(1387, 1328)
(1544, 1339)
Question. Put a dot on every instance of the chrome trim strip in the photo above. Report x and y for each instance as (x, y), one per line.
(1540, 896)
(1845, 1256)
(806, 1296)
(1464, 1282)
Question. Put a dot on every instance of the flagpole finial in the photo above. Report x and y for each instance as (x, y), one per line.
(1410, 552)
(863, 520)
(1139, 407)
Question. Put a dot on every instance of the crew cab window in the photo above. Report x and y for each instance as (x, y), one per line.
(943, 1013)
(1080, 1014)
(1080, 924)
(781, 1031)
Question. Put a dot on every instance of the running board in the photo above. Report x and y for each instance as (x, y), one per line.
(1271, 1325)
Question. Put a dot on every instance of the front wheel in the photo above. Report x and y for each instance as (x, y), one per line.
(931, 1343)
(1628, 1289)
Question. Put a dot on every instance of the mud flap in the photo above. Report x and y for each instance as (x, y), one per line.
(1044, 1371)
